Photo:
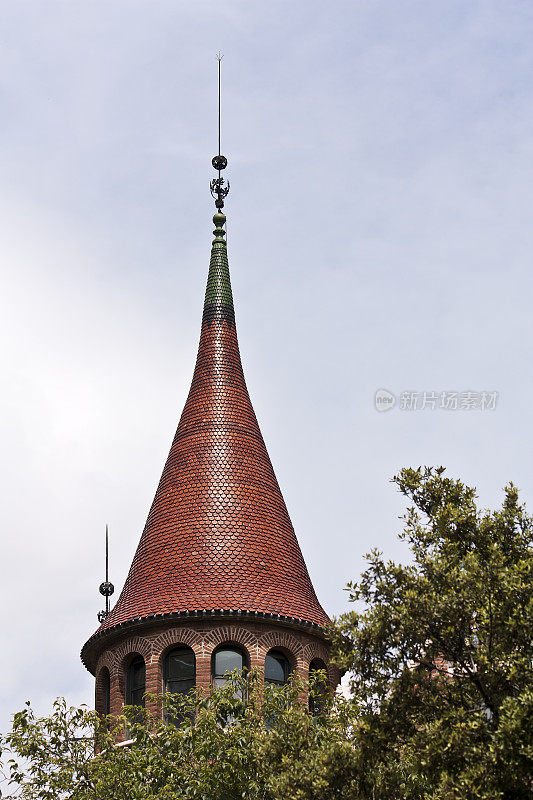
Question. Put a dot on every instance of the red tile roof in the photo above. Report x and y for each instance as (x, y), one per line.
(218, 535)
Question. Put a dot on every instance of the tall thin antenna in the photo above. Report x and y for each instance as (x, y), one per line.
(219, 59)
(219, 187)
(106, 567)
(106, 588)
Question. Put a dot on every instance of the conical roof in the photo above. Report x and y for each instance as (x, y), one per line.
(218, 535)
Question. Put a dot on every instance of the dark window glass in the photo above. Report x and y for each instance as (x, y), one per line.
(106, 690)
(225, 661)
(316, 700)
(180, 670)
(277, 668)
(136, 682)
(180, 677)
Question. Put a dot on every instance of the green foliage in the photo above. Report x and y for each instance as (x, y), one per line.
(441, 651)
(225, 748)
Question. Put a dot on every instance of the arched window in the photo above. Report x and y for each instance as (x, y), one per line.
(136, 682)
(179, 671)
(225, 661)
(106, 691)
(318, 692)
(103, 692)
(277, 668)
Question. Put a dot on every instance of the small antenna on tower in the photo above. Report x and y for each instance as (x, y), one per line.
(219, 187)
(219, 59)
(106, 588)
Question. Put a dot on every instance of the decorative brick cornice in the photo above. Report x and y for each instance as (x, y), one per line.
(101, 639)
(281, 639)
(175, 637)
(316, 650)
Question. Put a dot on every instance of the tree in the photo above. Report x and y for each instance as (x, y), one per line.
(225, 748)
(441, 651)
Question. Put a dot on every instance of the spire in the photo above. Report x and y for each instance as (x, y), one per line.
(218, 294)
(218, 538)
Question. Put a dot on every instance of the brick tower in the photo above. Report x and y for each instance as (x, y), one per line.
(218, 580)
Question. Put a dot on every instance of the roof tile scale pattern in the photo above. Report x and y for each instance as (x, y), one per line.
(218, 535)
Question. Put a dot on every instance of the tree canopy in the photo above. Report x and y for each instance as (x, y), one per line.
(441, 650)
(264, 746)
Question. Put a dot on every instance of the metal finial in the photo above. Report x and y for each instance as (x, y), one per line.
(219, 187)
(106, 588)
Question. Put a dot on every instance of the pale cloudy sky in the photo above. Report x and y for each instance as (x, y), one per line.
(379, 227)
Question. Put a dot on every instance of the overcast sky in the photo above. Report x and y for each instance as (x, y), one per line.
(380, 237)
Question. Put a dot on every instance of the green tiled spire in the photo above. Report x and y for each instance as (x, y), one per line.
(218, 296)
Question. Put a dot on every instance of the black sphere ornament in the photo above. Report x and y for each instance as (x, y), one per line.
(219, 162)
(107, 589)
